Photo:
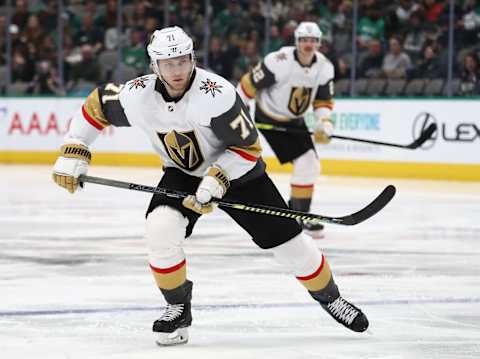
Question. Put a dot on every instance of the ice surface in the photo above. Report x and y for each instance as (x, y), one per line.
(74, 280)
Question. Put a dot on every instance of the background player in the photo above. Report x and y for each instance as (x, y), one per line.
(284, 85)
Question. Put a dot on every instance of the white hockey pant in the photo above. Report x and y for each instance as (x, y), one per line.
(165, 234)
(299, 255)
(306, 169)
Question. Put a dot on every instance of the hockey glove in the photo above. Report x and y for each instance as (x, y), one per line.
(213, 185)
(73, 162)
(323, 130)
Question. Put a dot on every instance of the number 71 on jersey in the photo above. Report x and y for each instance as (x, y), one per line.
(245, 124)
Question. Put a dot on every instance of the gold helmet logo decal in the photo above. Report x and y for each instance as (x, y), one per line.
(299, 100)
(183, 149)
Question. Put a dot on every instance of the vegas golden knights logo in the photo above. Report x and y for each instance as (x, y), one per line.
(299, 100)
(183, 149)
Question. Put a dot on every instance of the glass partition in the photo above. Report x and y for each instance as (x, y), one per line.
(378, 48)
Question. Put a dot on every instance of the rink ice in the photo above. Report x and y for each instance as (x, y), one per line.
(74, 280)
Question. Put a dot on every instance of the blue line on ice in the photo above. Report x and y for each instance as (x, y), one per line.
(46, 312)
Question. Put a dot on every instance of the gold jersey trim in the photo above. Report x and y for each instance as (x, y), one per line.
(270, 115)
(254, 150)
(247, 85)
(94, 110)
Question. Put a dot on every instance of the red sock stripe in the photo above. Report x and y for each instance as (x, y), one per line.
(168, 270)
(302, 185)
(314, 274)
(244, 155)
(90, 120)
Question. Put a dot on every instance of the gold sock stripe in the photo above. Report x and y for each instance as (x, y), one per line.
(171, 280)
(321, 280)
(301, 192)
(76, 151)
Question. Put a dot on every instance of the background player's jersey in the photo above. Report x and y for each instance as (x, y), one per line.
(208, 125)
(284, 89)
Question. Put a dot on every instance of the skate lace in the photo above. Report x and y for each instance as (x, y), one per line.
(343, 310)
(172, 312)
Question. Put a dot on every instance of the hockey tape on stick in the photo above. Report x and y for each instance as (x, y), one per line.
(368, 211)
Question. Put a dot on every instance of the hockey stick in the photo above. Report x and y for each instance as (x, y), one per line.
(424, 136)
(370, 210)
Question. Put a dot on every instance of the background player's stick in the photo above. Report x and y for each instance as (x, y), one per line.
(424, 136)
(370, 210)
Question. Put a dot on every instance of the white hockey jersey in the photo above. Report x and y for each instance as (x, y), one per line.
(209, 125)
(284, 89)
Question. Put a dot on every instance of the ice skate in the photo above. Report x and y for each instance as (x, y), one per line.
(340, 309)
(172, 327)
(347, 314)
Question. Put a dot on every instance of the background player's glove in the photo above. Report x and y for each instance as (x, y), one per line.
(73, 162)
(213, 185)
(323, 130)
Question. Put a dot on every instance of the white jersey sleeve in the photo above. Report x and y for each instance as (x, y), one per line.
(261, 76)
(236, 130)
(101, 108)
(323, 101)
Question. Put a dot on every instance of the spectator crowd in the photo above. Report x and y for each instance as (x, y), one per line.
(402, 45)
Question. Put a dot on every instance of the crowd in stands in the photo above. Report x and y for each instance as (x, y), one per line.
(402, 45)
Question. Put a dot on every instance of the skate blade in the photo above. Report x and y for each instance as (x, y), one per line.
(178, 337)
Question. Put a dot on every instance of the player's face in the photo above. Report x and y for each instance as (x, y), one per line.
(308, 45)
(176, 71)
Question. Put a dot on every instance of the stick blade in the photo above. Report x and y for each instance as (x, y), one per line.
(426, 135)
(373, 208)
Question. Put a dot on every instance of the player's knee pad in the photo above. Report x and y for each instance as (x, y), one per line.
(306, 168)
(299, 255)
(165, 233)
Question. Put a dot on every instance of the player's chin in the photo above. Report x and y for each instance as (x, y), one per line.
(178, 84)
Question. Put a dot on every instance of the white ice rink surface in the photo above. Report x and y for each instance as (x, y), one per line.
(74, 280)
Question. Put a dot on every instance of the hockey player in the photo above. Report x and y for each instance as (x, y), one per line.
(202, 131)
(284, 85)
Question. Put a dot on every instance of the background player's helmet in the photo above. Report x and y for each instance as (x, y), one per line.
(169, 43)
(307, 29)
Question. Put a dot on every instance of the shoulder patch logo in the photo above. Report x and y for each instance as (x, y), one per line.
(136, 83)
(211, 87)
(281, 56)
